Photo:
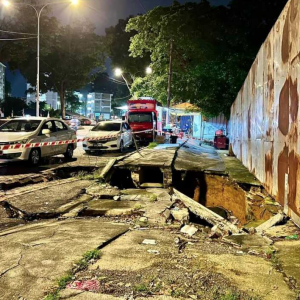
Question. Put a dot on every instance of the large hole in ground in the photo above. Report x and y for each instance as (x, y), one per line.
(151, 175)
(221, 195)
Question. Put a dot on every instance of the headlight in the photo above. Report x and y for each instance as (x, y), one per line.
(19, 142)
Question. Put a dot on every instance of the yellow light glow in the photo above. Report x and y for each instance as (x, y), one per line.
(148, 70)
(6, 3)
(118, 72)
(75, 2)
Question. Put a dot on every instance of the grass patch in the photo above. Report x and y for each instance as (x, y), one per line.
(86, 258)
(152, 145)
(230, 296)
(138, 207)
(141, 288)
(63, 281)
(82, 175)
(80, 265)
(52, 296)
(153, 198)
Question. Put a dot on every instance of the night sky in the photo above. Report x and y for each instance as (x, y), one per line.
(104, 13)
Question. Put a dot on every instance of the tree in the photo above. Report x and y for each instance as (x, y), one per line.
(73, 103)
(214, 48)
(117, 42)
(69, 54)
(12, 105)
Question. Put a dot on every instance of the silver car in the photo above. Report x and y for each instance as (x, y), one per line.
(35, 130)
(108, 135)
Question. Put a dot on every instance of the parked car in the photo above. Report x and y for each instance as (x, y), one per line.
(109, 135)
(35, 130)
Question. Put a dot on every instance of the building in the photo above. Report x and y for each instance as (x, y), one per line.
(98, 106)
(2, 81)
(51, 98)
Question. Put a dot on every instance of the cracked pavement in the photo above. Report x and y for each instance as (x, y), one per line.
(34, 255)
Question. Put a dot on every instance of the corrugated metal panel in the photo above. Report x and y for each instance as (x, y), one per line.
(264, 125)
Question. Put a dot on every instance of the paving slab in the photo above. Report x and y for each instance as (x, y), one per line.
(149, 158)
(111, 208)
(237, 171)
(50, 197)
(33, 256)
(192, 157)
(251, 274)
(289, 258)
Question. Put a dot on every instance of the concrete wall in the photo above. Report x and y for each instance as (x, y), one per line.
(264, 126)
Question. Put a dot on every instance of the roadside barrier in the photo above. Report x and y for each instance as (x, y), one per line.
(66, 142)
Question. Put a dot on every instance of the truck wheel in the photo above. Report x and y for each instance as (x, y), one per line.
(35, 157)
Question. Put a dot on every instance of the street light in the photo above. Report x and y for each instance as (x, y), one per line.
(148, 70)
(38, 12)
(6, 3)
(118, 73)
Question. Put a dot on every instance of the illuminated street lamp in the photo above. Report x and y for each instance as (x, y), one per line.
(119, 73)
(38, 12)
(148, 70)
(6, 3)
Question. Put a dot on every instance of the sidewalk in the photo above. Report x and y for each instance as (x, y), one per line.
(108, 242)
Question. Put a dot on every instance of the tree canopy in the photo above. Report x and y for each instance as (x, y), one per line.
(69, 56)
(214, 48)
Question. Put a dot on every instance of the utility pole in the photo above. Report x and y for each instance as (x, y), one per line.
(169, 81)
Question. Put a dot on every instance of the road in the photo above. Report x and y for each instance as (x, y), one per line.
(22, 167)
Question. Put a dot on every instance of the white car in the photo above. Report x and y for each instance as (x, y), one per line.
(35, 130)
(109, 135)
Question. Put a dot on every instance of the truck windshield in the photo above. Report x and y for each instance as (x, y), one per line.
(107, 127)
(20, 126)
(142, 117)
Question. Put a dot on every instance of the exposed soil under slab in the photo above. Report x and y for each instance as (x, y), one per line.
(221, 192)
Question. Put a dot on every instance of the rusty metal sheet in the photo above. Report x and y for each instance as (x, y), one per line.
(265, 117)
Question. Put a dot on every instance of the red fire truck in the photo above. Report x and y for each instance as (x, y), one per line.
(142, 116)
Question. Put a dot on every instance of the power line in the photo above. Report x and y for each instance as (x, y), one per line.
(17, 39)
(14, 32)
(122, 97)
(116, 81)
(141, 4)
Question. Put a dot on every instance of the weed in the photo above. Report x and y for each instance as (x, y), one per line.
(138, 207)
(63, 281)
(178, 293)
(141, 288)
(230, 296)
(82, 175)
(153, 198)
(52, 296)
(152, 145)
(86, 258)
(93, 254)
(80, 265)
(271, 255)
